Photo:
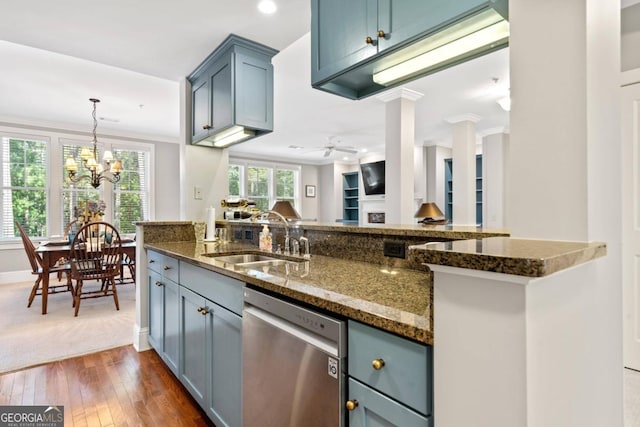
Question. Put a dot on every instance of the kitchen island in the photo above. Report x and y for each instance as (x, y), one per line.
(504, 315)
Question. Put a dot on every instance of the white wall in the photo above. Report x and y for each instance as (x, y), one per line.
(206, 168)
(309, 175)
(326, 194)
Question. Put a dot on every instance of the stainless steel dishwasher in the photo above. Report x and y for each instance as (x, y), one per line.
(293, 365)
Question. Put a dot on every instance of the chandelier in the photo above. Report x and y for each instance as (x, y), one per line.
(89, 158)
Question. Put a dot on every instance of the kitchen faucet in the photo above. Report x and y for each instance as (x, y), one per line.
(306, 251)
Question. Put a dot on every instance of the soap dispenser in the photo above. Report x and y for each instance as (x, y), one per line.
(265, 239)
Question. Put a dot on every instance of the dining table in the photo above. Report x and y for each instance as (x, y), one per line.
(50, 252)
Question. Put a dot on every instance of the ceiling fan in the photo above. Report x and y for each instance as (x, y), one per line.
(330, 147)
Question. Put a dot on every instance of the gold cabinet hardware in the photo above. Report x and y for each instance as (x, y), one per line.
(151, 261)
(206, 127)
(166, 267)
(369, 40)
(381, 34)
(158, 283)
(351, 405)
(203, 311)
(377, 364)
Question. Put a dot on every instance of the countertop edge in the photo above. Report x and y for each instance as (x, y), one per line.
(522, 264)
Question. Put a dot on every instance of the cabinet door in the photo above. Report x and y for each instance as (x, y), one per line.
(338, 32)
(200, 108)
(225, 397)
(193, 344)
(222, 106)
(254, 92)
(404, 19)
(156, 315)
(171, 352)
(377, 410)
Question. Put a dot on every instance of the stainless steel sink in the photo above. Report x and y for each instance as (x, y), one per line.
(251, 260)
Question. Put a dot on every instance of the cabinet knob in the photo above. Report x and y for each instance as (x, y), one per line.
(158, 283)
(166, 267)
(377, 364)
(206, 127)
(351, 405)
(370, 41)
(203, 311)
(381, 34)
(151, 261)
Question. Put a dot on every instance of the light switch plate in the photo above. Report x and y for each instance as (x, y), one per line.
(197, 193)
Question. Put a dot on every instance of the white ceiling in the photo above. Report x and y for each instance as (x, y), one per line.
(132, 56)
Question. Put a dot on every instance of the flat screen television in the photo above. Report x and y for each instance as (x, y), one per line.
(373, 177)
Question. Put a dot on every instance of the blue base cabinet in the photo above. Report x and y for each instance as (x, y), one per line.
(390, 379)
(163, 308)
(211, 342)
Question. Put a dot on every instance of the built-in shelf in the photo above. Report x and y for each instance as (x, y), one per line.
(350, 187)
(448, 189)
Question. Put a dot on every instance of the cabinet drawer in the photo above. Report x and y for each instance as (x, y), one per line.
(163, 264)
(374, 408)
(406, 374)
(218, 288)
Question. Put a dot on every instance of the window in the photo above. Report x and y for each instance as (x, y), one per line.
(265, 184)
(258, 180)
(131, 195)
(24, 180)
(127, 201)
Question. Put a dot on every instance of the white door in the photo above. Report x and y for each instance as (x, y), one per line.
(631, 223)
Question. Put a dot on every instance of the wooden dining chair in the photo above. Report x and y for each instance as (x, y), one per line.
(96, 255)
(36, 269)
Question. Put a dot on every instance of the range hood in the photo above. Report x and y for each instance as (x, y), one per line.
(232, 94)
(456, 31)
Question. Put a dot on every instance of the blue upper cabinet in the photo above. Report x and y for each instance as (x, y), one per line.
(232, 94)
(353, 40)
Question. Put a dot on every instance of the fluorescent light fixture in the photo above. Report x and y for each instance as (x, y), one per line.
(232, 135)
(505, 103)
(472, 36)
(267, 7)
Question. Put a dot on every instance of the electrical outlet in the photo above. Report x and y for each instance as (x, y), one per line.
(197, 192)
(394, 249)
(248, 234)
(237, 235)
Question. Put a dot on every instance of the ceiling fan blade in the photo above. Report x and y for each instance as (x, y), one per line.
(326, 153)
(346, 150)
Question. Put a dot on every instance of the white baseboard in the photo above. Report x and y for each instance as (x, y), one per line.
(16, 276)
(140, 341)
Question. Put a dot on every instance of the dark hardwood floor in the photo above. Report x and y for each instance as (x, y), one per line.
(118, 387)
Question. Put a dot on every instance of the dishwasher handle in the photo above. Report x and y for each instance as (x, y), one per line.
(303, 334)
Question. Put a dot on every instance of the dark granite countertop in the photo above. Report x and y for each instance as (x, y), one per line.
(394, 299)
(522, 257)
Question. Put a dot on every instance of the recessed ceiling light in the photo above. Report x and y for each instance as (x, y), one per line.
(267, 7)
(345, 158)
(364, 150)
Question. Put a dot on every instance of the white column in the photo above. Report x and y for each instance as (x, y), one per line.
(464, 168)
(494, 156)
(399, 150)
(564, 184)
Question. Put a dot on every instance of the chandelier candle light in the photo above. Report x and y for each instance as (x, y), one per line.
(90, 161)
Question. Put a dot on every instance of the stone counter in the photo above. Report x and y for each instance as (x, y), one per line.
(522, 257)
(397, 300)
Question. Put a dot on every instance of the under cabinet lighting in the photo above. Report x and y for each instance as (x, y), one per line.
(231, 135)
(467, 38)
